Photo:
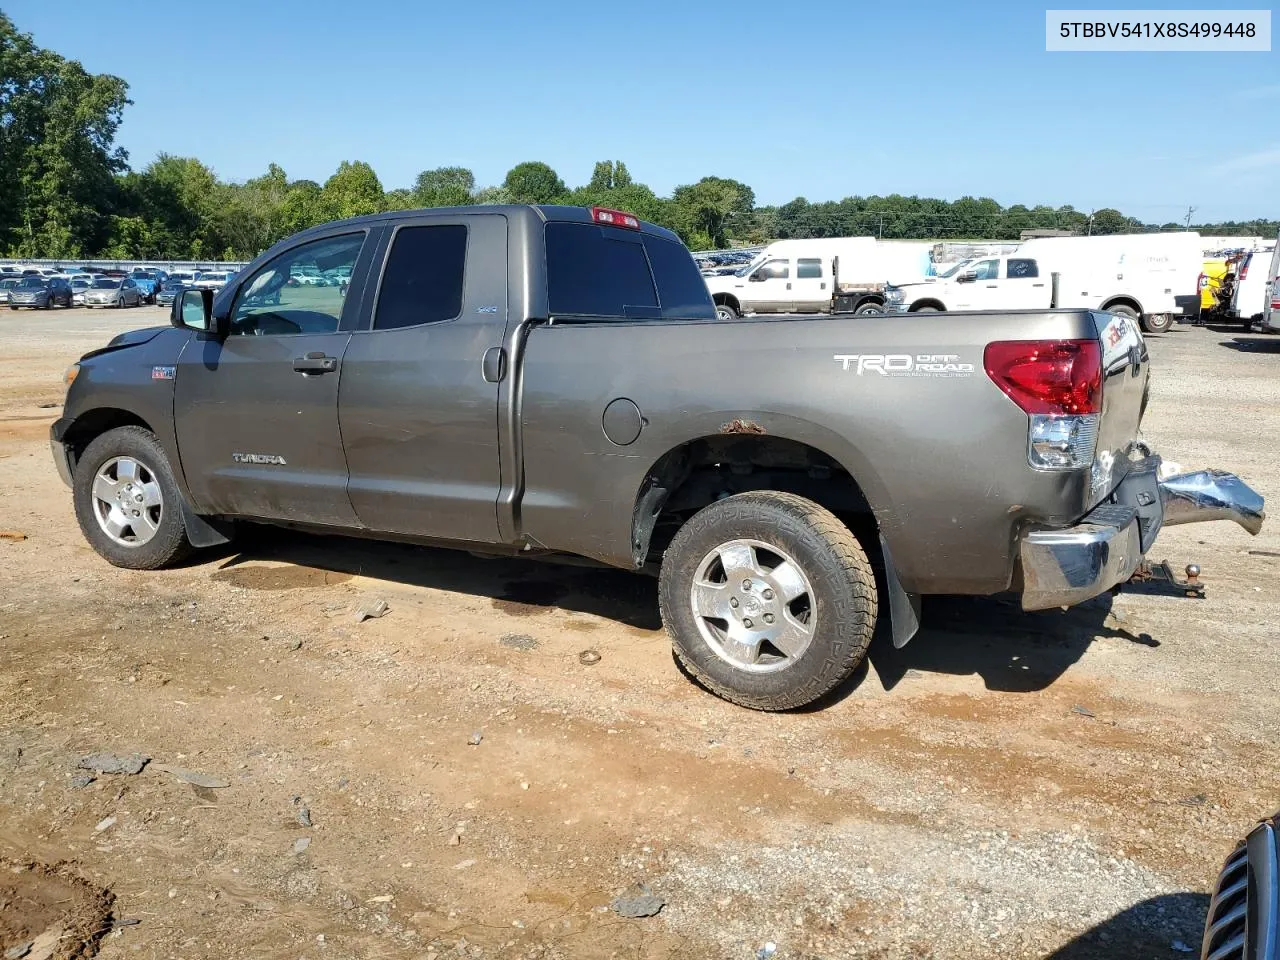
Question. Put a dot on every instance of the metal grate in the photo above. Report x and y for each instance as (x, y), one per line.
(1224, 932)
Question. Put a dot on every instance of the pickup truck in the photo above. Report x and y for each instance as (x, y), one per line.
(553, 380)
(1020, 281)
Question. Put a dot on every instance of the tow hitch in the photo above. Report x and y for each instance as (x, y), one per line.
(1148, 572)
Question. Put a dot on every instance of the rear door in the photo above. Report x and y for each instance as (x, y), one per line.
(1023, 286)
(418, 405)
(811, 288)
(1271, 295)
(257, 413)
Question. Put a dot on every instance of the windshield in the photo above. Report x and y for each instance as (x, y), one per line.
(755, 262)
(31, 283)
(956, 268)
(105, 284)
(79, 284)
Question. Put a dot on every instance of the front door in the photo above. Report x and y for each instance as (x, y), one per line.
(257, 413)
(982, 292)
(768, 288)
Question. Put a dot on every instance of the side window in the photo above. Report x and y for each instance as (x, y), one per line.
(808, 269)
(298, 291)
(987, 269)
(422, 282)
(595, 271)
(1022, 269)
(774, 270)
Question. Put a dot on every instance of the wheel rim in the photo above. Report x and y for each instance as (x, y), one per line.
(724, 314)
(127, 501)
(754, 606)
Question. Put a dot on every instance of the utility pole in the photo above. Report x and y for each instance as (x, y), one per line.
(1190, 211)
(1089, 232)
(882, 226)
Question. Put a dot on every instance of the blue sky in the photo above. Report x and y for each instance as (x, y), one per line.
(817, 99)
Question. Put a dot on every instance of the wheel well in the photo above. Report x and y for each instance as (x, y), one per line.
(936, 304)
(1129, 302)
(725, 298)
(93, 424)
(703, 471)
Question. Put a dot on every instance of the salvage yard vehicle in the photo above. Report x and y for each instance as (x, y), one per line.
(113, 292)
(1243, 922)
(1024, 281)
(837, 275)
(543, 381)
(40, 293)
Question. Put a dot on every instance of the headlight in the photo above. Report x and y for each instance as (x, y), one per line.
(73, 371)
(893, 295)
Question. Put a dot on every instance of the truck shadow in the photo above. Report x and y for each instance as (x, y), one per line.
(1012, 650)
(1146, 929)
(1252, 344)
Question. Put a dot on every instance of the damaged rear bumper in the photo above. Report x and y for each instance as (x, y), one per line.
(1065, 566)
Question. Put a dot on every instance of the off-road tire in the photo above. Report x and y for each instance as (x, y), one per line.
(169, 544)
(844, 594)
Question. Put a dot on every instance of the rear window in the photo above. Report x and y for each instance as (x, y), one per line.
(599, 271)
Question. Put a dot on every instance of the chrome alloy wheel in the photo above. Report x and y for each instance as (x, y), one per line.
(753, 605)
(127, 501)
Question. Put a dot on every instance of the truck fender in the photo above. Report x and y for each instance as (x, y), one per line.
(904, 608)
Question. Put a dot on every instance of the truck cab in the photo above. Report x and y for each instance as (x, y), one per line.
(834, 275)
(989, 283)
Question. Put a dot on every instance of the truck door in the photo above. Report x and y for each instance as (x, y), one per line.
(768, 289)
(418, 404)
(1023, 287)
(257, 413)
(978, 287)
(1271, 293)
(811, 289)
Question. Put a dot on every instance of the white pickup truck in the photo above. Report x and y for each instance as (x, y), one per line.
(1023, 282)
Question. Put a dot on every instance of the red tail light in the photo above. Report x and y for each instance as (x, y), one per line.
(615, 218)
(1048, 376)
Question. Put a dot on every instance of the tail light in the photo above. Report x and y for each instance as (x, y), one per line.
(1244, 270)
(1201, 281)
(614, 218)
(1058, 384)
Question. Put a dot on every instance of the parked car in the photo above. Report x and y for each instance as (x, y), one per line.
(212, 280)
(113, 292)
(7, 284)
(169, 291)
(78, 289)
(1243, 922)
(148, 282)
(535, 380)
(40, 293)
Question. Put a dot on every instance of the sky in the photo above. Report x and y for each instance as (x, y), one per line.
(821, 99)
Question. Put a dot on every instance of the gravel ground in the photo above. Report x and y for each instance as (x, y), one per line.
(1009, 785)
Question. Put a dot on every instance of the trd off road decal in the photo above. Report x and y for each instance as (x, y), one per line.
(905, 364)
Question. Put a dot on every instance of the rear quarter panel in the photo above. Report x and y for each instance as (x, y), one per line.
(942, 459)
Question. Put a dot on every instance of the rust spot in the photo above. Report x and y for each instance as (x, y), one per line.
(742, 426)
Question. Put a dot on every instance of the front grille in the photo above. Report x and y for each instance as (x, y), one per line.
(1224, 930)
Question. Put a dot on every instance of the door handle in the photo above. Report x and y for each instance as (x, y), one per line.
(822, 286)
(991, 286)
(315, 362)
(788, 286)
(494, 365)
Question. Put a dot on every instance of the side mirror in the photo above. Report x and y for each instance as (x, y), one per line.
(193, 310)
(969, 276)
(756, 277)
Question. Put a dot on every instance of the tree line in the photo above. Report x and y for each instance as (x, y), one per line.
(67, 190)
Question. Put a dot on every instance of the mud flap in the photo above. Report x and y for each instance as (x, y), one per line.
(904, 608)
(203, 531)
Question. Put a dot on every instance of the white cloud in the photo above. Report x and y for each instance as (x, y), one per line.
(1262, 160)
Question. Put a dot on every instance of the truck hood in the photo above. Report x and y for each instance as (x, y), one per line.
(921, 283)
(130, 338)
(725, 284)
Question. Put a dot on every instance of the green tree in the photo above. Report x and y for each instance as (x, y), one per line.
(701, 210)
(493, 195)
(354, 190)
(444, 187)
(534, 182)
(303, 206)
(57, 149)
(401, 198)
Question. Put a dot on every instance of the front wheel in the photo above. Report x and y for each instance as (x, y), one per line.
(127, 501)
(925, 309)
(869, 310)
(725, 312)
(768, 598)
(1156, 323)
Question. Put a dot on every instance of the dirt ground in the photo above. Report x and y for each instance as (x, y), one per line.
(1009, 785)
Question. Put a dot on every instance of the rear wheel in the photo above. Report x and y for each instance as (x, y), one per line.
(725, 312)
(769, 599)
(127, 501)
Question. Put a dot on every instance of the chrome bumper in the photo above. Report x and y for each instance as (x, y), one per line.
(1067, 566)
